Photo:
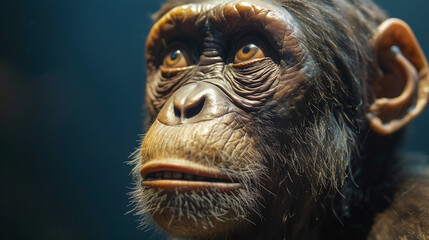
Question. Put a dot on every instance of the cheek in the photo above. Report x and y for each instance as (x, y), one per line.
(253, 84)
(293, 85)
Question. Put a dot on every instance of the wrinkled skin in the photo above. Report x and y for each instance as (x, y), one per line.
(253, 129)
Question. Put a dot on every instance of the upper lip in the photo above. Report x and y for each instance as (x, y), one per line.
(184, 173)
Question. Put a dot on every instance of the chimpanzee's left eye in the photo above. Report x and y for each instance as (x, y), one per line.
(248, 52)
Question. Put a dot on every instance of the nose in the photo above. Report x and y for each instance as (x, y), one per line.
(193, 103)
(188, 104)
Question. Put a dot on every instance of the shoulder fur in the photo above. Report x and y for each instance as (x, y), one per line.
(408, 215)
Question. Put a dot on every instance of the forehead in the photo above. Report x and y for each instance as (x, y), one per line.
(263, 17)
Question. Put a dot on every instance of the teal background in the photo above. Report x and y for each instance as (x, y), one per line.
(71, 94)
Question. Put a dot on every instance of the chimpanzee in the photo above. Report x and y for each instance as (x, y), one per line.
(280, 120)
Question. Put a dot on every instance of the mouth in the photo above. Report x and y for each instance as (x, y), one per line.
(181, 174)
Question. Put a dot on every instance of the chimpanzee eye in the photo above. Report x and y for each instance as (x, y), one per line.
(177, 58)
(247, 53)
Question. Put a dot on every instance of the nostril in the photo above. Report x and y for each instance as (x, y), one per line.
(176, 112)
(195, 110)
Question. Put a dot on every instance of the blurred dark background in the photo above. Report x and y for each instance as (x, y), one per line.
(71, 94)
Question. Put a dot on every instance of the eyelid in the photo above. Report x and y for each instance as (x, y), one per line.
(247, 63)
(166, 71)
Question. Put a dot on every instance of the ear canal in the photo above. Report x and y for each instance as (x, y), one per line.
(402, 85)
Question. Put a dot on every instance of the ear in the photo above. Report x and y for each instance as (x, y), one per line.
(401, 86)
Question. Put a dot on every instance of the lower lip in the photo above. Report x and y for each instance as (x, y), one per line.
(190, 185)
